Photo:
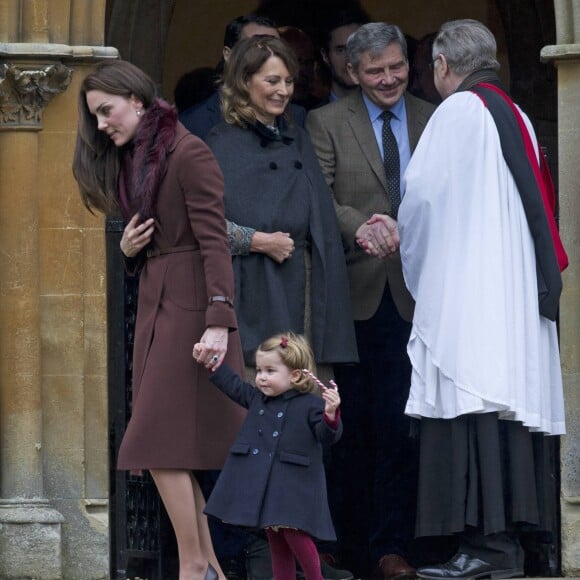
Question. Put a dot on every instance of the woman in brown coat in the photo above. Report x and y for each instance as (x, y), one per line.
(134, 156)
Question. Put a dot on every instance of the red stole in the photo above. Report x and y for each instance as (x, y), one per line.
(542, 175)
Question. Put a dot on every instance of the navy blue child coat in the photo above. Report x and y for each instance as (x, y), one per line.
(274, 474)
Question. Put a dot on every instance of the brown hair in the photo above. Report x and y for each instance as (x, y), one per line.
(96, 158)
(246, 59)
(296, 354)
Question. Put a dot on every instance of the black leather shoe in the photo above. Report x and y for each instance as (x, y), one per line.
(464, 566)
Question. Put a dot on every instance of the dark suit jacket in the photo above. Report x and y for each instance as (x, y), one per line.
(200, 118)
(348, 153)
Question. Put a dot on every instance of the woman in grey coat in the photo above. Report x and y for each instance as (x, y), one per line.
(273, 183)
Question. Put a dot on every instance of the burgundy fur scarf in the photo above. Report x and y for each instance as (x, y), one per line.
(146, 167)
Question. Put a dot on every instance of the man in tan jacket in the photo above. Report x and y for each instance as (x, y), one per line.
(364, 142)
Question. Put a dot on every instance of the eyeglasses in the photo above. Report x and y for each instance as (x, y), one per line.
(432, 63)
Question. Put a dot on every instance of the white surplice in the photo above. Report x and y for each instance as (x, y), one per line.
(478, 343)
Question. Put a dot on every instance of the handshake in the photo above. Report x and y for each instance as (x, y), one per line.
(379, 236)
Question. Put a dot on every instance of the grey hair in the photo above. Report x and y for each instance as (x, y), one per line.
(467, 45)
(374, 37)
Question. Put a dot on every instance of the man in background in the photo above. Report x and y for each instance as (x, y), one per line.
(421, 84)
(200, 118)
(335, 32)
(303, 48)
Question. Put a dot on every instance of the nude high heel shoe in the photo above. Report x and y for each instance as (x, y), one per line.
(211, 573)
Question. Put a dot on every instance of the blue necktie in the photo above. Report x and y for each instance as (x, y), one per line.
(392, 163)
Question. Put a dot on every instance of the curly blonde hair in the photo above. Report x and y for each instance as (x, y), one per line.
(245, 60)
(296, 354)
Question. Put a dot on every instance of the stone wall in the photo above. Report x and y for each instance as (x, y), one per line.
(54, 460)
(566, 57)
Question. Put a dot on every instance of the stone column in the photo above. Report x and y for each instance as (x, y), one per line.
(566, 57)
(53, 421)
(28, 523)
(53, 389)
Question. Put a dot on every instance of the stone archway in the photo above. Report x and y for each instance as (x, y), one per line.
(53, 299)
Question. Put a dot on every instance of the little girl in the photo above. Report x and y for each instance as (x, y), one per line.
(274, 478)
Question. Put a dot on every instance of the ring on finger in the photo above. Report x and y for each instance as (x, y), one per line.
(214, 359)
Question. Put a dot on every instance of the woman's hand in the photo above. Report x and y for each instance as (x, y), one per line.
(136, 236)
(278, 245)
(212, 347)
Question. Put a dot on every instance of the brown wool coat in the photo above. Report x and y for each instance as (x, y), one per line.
(180, 420)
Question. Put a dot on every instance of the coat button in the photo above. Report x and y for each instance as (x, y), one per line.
(261, 412)
(273, 165)
(260, 432)
(280, 414)
(255, 451)
(275, 434)
(298, 164)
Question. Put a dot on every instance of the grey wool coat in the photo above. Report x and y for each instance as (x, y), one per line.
(274, 474)
(277, 185)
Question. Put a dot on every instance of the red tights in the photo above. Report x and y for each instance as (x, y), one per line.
(287, 543)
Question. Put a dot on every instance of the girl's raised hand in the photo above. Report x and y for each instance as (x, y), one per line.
(329, 394)
(331, 402)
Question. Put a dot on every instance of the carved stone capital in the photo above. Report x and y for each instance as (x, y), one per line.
(25, 90)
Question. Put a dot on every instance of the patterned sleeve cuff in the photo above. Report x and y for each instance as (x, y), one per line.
(239, 238)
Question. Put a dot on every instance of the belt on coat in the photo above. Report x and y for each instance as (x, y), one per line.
(154, 252)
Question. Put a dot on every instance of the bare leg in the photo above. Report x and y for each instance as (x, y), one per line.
(203, 528)
(178, 493)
